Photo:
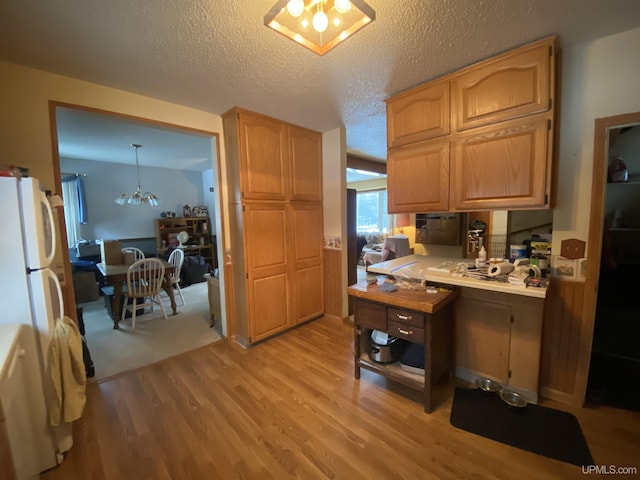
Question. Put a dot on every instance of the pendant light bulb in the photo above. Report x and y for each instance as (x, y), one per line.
(342, 6)
(320, 20)
(295, 8)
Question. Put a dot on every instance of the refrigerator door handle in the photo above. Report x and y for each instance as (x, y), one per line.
(45, 201)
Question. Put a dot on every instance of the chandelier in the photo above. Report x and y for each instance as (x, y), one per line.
(138, 197)
(319, 25)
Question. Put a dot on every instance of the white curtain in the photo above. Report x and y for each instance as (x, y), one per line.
(70, 199)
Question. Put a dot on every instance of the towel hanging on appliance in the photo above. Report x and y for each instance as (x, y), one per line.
(66, 367)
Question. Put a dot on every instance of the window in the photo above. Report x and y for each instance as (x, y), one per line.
(75, 207)
(371, 210)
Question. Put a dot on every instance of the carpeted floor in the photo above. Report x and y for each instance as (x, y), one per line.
(154, 338)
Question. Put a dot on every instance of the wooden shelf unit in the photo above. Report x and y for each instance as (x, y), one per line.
(200, 239)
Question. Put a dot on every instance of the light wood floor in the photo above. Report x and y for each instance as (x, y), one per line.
(291, 408)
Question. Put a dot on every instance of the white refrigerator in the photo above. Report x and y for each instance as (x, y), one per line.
(30, 293)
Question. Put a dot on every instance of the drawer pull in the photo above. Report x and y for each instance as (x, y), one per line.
(405, 317)
(405, 332)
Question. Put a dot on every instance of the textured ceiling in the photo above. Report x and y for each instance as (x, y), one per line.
(214, 54)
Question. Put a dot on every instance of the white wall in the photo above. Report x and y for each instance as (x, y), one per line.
(334, 190)
(599, 79)
(105, 181)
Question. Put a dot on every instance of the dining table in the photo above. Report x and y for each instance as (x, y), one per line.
(115, 275)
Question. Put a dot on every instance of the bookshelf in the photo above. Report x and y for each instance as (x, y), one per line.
(200, 238)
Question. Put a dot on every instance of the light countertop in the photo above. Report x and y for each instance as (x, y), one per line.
(416, 267)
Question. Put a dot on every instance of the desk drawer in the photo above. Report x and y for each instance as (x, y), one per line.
(372, 315)
(402, 330)
(407, 317)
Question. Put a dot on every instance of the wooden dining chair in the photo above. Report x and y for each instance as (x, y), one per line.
(144, 282)
(138, 254)
(176, 259)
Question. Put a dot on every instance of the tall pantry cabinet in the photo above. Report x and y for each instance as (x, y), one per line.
(274, 171)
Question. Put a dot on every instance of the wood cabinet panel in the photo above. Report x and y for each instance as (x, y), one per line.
(418, 114)
(265, 239)
(504, 88)
(418, 177)
(308, 290)
(307, 250)
(372, 315)
(269, 306)
(502, 166)
(483, 338)
(263, 151)
(305, 148)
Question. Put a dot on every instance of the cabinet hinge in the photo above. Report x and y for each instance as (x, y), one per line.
(509, 374)
(243, 208)
(546, 199)
(550, 50)
(550, 103)
(247, 275)
(512, 318)
(548, 124)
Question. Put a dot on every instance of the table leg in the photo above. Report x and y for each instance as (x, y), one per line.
(116, 301)
(168, 287)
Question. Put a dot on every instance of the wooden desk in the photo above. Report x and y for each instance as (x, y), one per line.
(116, 276)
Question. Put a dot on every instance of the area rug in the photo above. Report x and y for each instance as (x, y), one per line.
(545, 431)
(154, 338)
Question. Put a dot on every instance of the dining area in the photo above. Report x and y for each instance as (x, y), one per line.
(132, 283)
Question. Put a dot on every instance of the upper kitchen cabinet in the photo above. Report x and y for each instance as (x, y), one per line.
(502, 166)
(262, 145)
(418, 114)
(418, 177)
(495, 147)
(508, 86)
(305, 147)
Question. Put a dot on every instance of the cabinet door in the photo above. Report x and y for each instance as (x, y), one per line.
(502, 166)
(514, 85)
(305, 147)
(307, 278)
(418, 177)
(263, 152)
(419, 114)
(483, 338)
(265, 239)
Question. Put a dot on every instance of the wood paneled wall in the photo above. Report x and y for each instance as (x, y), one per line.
(562, 330)
(333, 291)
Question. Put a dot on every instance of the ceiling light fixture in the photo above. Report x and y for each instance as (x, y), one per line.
(138, 197)
(332, 21)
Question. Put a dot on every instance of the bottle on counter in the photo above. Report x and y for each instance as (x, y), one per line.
(481, 261)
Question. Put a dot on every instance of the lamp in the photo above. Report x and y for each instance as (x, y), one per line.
(319, 25)
(137, 197)
(402, 220)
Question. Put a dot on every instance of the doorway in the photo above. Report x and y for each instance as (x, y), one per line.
(610, 358)
(190, 157)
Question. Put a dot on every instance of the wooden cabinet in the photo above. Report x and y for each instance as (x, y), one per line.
(495, 148)
(502, 166)
(276, 223)
(498, 336)
(417, 115)
(506, 87)
(307, 266)
(305, 166)
(418, 177)
(200, 239)
(427, 323)
(263, 155)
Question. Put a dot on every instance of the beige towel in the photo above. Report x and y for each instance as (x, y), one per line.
(67, 373)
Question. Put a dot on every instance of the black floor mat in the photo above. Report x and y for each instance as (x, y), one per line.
(537, 429)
